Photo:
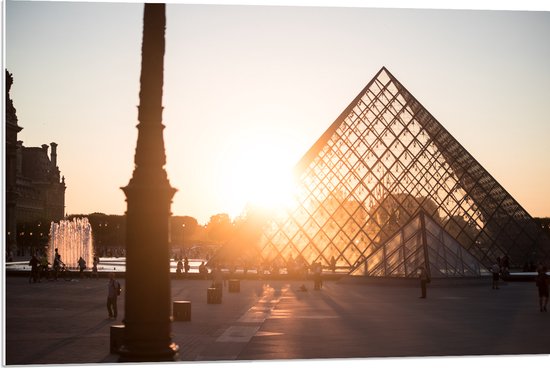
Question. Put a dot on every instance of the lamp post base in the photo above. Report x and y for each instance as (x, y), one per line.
(149, 353)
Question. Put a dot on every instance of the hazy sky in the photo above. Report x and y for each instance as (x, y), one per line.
(248, 89)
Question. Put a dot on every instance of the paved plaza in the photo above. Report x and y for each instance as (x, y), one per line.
(62, 322)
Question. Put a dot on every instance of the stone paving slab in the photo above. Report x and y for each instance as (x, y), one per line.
(64, 322)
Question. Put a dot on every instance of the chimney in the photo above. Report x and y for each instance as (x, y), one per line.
(54, 154)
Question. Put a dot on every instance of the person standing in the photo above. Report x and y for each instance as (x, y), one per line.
(203, 271)
(113, 291)
(317, 280)
(34, 263)
(542, 281)
(424, 280)
(333, 264)
(495, 270)
(56, 263)
(94, 268)
(81, 266)
(186, 265)
(179, 268)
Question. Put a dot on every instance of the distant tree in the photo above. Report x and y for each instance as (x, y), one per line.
(190, 225)
(183, 229)
(220, 228)
(248, 231)
(108, 231)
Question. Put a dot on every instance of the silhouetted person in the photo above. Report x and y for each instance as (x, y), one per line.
(542, 281)
(495, 270)
(186, 265)
(317, 270)
(34, 263)
(56, 263)
(81, 266)
(113, 291)
(179, 268)
(333, 264)
(94, 267)
(202, 270)
(424, 280)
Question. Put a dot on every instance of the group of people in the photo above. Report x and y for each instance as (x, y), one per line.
(40, 267)
(500, 269)
(183, 266)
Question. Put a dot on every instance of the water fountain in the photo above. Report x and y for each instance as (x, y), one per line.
(73, 239)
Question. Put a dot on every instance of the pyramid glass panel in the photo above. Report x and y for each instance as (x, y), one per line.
(429, 245)
(384, 159)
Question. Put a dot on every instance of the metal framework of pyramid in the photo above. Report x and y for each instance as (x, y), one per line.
(381, 161)
(422, 242)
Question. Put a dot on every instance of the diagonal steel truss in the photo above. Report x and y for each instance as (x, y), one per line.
(383, 159)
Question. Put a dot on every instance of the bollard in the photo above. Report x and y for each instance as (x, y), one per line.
(181, 310)
(213, 296)
(117, 338)
(234, 285)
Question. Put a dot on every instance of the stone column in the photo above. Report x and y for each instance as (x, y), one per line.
(147, 331)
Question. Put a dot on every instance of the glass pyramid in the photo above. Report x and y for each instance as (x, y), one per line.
(381, 161)
(421, 242)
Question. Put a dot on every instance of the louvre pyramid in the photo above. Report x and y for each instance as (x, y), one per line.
(422, 242)
(381, 161)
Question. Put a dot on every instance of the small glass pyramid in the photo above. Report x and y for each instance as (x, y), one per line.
(422, 242)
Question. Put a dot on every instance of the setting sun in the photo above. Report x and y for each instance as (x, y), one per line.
(259, 172)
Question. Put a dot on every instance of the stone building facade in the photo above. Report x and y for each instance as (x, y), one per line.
(11, 167)
(41, 189)
(35, 189)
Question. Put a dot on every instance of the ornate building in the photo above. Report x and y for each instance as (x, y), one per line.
(41, 189)
(35, 190)
(11, 167)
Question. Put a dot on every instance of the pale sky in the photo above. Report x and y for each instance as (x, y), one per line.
(248, 89)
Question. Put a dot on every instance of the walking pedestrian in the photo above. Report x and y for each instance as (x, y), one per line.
(179, 268)
(113, 291)
(495, 270)
(542, 281)
(34, 263)
(424, 280)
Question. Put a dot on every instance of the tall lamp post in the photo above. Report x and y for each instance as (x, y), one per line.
(147, 330)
